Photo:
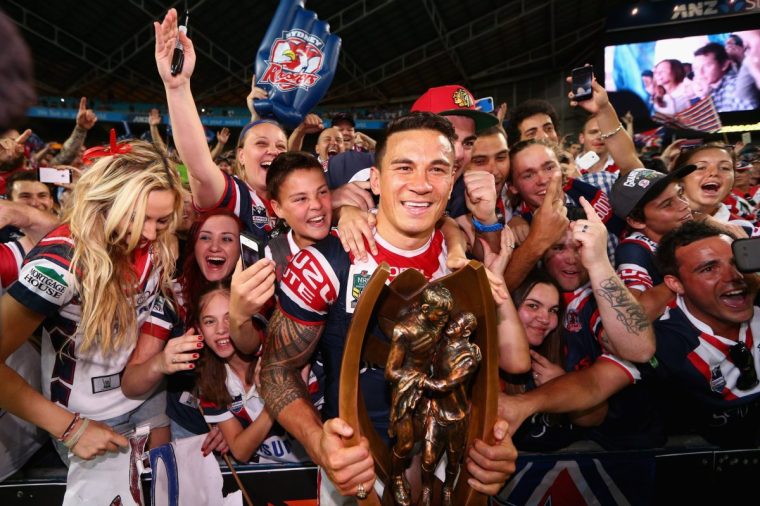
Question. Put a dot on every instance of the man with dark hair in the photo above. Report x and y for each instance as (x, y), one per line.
(707, 353)
(652, 204)
(533, 119)
(735, 50)
(713, 76)
(318, 294)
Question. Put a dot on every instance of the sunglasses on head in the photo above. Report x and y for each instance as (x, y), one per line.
(742, 359)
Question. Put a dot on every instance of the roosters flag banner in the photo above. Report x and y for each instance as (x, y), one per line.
(296, 63)
(597, 479)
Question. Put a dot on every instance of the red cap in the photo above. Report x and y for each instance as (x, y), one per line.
(454, 100)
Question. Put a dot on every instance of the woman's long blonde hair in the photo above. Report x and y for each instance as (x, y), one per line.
(106, 218)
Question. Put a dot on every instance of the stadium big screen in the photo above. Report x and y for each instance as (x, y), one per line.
(666, 74)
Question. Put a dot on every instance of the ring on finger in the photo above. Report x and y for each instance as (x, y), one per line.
(174, 360)
(585, 227)
(361, 492)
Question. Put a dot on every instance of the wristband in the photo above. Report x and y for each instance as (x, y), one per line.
(68, 430)
(610, 134)
(480, 227)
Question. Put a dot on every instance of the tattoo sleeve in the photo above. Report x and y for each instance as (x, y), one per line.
(70, 148)
(288, 347)
(628, 311)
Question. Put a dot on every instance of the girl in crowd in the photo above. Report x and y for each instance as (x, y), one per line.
(260, 142)
(91, 283)
(211, 253)
(708, 186)
(229, 396)
(540, 309)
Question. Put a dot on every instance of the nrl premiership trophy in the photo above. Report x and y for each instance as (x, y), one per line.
(443, 387)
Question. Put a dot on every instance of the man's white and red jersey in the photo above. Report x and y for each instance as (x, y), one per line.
(635, 262)
(89, 383)
(322, 285)
(11, 257)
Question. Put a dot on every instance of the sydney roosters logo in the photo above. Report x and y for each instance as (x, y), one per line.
(294, 61)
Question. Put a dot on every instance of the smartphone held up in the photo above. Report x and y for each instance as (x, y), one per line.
(581, 83)
(55, 176)
(251, 249)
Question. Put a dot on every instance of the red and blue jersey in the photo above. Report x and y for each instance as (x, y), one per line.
(322, 285)
(254, 212)
(90, 382)
(635, 262)
(695, 367)
(631, 420)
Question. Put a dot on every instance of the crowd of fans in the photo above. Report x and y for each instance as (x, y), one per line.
(622, 316)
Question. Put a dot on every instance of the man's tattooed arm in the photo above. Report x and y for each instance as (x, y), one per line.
(627, 331)
(288, 348)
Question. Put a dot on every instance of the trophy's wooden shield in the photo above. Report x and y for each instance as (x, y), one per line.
(380, 303)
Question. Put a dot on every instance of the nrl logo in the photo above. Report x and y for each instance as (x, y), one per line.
(294, 61)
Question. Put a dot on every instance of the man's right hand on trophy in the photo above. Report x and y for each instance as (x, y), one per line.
(350, 468)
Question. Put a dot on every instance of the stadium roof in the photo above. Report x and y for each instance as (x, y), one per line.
(392, 50)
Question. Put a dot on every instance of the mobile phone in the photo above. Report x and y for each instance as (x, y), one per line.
(53, 175)
(581, 77)
(251, 249)
(747, 254)
(484, 104)
(587, 160)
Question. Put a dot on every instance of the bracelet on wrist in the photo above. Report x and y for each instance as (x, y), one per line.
(483, 228)
(610, 134)
(74, 438)
(70, 428)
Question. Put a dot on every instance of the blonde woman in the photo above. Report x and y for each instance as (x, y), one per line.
(90, 283)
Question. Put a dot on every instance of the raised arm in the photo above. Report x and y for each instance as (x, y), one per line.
(627, 331)
(514, 350)
(86, 119)
(206, 180)
(311, 124)
(154, 120)
(222, 136)
(619, 143)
